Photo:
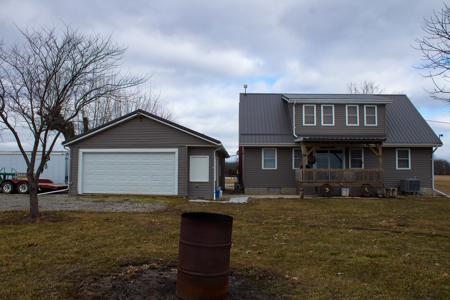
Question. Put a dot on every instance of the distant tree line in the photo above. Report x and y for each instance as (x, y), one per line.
(441, 167)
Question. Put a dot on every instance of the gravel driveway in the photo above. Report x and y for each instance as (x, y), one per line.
(73, 203)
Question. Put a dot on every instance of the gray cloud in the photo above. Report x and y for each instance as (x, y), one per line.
(199, 53)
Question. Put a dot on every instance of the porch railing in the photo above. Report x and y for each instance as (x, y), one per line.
(338, 175)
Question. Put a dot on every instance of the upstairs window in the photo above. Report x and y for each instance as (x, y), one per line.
(269, 158)
(309, 115)
(352, 112)
(327, 115)
(403, 158)
(370, 115)
(296, 158)
(356, 158)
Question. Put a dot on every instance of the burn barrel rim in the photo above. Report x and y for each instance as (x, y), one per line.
(206, 217)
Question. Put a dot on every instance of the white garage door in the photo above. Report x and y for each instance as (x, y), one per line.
(129, 172)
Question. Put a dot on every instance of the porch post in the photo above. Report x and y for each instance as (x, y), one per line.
(304, 158)
(380, 162)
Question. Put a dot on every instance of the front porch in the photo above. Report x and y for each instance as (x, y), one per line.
(328, 166)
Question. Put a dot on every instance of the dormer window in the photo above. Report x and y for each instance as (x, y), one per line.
(309, 115)
(370, 115)
(327, 115)
(352, 115)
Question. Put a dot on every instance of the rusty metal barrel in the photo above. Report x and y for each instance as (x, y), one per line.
(204, 256)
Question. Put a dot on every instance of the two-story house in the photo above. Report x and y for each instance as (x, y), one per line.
(324, 142)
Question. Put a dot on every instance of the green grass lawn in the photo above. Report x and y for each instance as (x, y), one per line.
(316, 248)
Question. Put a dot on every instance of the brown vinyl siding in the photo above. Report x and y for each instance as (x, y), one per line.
(256, 177)
(141, 132)
(340, 127)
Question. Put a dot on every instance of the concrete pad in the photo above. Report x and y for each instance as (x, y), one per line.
(240, 200)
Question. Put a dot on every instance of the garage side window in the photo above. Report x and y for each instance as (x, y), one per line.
(199, 168)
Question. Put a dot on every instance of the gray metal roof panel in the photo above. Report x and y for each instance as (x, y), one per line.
(405, 125)
(266, 118)
(341, 138)
(266, 139)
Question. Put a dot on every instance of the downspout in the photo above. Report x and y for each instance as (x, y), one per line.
(432, 177)
(215, 172)
(293, 121)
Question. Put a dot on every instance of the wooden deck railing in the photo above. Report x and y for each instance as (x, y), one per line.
(338, 175)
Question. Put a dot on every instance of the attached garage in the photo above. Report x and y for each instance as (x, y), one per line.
(143, 154)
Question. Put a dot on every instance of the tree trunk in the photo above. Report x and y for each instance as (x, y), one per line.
(33, 192)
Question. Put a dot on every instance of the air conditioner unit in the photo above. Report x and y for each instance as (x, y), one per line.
(410, 186)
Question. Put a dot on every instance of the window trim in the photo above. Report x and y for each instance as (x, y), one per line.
(409, 159)
(321, 114)
(293, 158)
(315, 114)
(190, 168)
(346, 114)
(350, 158)
(262, 159)
(365, 115)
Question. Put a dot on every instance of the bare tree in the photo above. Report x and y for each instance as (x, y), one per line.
(46, 82)
(106, 109)
(435, 48)
(365, 87)
(441, 167)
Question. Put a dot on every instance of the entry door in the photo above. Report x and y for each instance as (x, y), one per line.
(329, 159)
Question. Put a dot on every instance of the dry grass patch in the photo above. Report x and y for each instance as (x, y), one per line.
(442, 183)
(325, 248)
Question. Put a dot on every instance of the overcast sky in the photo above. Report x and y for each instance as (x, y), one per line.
(200, 53)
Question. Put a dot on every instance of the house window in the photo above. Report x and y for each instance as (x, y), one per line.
(352, 112)
(370, 115)
(327, 115)
(403, 158)
(199, 168)
(269, 158)
(356, 158)
(296, 158)
(309, 115)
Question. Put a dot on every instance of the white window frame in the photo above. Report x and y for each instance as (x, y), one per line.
(321, 114)
(365, 115)
(262, 158)
(293, 158)
(409, 158)
(346, 115)
(315, 114)
(190, 169)
(350, 158)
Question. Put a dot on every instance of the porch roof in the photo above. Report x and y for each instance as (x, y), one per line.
(340, 138)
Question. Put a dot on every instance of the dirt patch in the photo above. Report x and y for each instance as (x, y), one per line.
(157, 280)
(11, 218)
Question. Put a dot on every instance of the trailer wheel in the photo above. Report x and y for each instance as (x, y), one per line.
(326, 190)
(22, 187)
(7, 187)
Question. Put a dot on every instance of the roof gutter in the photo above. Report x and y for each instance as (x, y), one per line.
(336, 101)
